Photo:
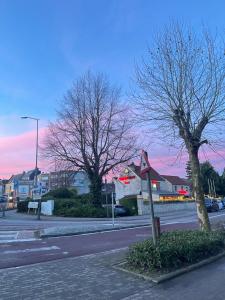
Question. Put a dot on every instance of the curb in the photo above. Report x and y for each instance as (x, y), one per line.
(173, 274)
(42, 235)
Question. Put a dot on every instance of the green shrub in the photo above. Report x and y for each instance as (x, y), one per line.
(22, 206)
(78, 207)
(61, 193)
(131, 205)
(175, 249)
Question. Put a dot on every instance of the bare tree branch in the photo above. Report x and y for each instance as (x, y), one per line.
(93, 132)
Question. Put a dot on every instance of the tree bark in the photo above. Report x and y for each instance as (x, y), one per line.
(95, 189)
(198, 191)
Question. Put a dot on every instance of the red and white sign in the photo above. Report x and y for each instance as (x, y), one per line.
(145, 165)
(182, 192)
(126, 179)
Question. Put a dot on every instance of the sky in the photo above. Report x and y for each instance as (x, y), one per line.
(46, 44)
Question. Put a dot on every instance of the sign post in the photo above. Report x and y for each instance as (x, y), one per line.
(145, 169)
(113, 213)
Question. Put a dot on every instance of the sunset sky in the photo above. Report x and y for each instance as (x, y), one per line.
(46, 44)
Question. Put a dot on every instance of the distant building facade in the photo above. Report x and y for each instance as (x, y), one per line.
(20, 185)
(3, 183)
(178, 185)
(70, 179)
(164, 187)
(131, 182)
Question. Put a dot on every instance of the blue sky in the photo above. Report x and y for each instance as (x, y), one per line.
(46, 44)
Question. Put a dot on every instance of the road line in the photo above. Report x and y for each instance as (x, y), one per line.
(216, 216)
(31, 250)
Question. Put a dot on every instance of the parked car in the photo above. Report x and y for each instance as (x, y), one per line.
(211, 205)
(120, 210)
(223, 202)
(3, 199)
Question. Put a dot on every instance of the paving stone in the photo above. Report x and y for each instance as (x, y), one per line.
(92, 277)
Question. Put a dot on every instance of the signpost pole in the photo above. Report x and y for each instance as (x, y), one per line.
(145, 169)
(152, 208)
(113, 216)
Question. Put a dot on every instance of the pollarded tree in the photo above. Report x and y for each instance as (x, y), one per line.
(181, 88)
(188, 170)
(93, 132)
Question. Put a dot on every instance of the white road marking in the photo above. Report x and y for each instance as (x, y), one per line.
(18, 241)
(216, 216)
(31, 250)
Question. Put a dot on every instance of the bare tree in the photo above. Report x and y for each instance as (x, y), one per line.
(181, 89)
(92, 132)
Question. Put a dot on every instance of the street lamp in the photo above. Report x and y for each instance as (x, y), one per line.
(36, 162)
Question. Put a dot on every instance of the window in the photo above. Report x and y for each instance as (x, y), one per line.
(175, 188)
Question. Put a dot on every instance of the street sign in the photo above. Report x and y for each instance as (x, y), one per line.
(36, 193)
(145, 165)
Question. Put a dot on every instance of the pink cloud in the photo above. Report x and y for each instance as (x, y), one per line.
(17, 153)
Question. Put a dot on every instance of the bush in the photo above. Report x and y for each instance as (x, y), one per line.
(131, 205)
(175, 249)
(22, 206)
(61, 193)
(78, 207)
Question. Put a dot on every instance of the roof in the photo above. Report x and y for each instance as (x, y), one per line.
(176, 180)
(153, 174)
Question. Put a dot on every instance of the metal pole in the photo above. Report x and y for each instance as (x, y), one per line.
(209, 186)
(36, 170)
(106, 198)
(113, 217)
(152, 208)
(214, 188)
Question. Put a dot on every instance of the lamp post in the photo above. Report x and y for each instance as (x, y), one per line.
(36, 162)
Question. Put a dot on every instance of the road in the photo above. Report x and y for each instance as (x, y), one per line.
(24, 253)
(14, 221)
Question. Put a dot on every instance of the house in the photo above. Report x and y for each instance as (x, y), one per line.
(43, 182)
(20, 186)
(131, 182)
(70, 179)
(3, 183)
(177, 185)
(81, 182)
(164, 187)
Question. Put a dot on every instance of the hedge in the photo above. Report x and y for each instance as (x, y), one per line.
(61, 193)
(22, 206)
(175, 249)
(78, 207)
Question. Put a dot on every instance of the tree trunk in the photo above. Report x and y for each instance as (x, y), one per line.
(198, 191)
(96, 190)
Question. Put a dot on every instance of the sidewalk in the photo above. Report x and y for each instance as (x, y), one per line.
(92, 277)
(56, 226)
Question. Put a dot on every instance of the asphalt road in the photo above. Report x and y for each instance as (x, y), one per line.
(25, 253)
(18, 254)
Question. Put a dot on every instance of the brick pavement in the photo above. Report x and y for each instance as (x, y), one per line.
(92, 277)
